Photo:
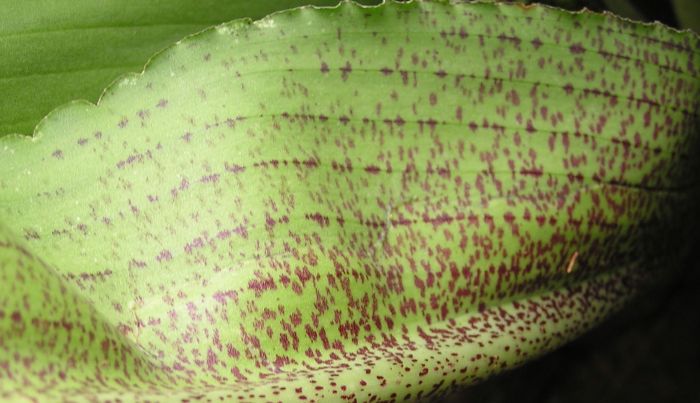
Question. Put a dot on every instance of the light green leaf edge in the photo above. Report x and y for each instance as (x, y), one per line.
(52, 52)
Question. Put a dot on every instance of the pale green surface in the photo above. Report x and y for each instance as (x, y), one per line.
(108, 188)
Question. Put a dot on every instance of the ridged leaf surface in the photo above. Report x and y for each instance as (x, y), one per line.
(358, 203)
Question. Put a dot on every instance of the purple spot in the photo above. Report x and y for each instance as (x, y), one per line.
(16, 317)
(234, 168)
(138, 264)
(184, 184)
(324, 68)
(577, 49)
(372, 169)
(164, 255)
(310, 163)
(346, 70)
(530, 128)
(213, 178)
(242, 231)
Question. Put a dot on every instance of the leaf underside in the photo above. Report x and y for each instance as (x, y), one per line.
(351, 202)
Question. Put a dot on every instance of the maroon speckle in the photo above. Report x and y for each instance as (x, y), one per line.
(16, 317)
(577, 49)
(345, 71)
(372, 169)
(164, 256)
(234, 168)
(324, 67)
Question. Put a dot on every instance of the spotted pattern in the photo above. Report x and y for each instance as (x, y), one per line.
(373, 204)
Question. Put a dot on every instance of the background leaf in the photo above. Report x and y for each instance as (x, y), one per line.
(688, 13)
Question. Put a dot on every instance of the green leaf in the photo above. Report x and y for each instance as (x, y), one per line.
(55, 51)
(625, 8)
(366, 203)
(687, 13)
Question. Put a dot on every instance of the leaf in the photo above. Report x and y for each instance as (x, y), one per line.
(57, 51)
(687, 13)
(625, 8)
(359, 203)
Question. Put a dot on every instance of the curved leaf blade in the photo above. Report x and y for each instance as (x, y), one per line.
(427, 192)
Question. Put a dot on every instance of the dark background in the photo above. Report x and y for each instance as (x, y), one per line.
(650, 351)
